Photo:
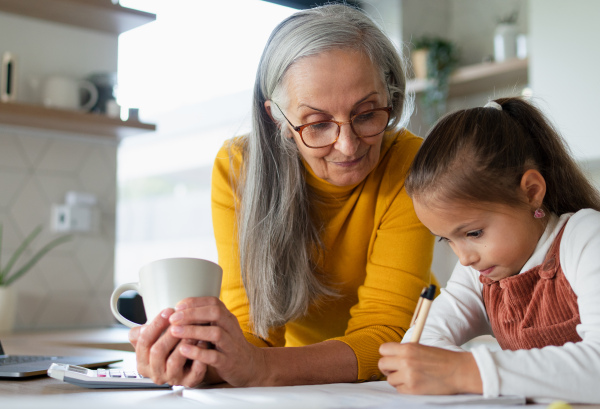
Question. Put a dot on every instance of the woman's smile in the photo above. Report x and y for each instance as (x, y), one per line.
(348, 162)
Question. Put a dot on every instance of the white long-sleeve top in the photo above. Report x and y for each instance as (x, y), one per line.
(570, 372)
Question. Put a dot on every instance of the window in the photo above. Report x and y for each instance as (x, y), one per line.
(191, 72)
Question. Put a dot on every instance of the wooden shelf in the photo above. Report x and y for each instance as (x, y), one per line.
(100, 15)
(70, 121)
(472, 79)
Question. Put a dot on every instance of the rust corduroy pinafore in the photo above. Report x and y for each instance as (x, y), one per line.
(533, 309)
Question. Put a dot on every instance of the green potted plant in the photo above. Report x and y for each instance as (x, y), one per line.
(9, 274)
(441, 59)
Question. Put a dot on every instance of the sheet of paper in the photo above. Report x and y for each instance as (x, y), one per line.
(339, 395)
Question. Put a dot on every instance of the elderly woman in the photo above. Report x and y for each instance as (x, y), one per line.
(319, 243)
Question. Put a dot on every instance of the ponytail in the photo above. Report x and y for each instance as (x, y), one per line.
(567, 188)
(481, 154)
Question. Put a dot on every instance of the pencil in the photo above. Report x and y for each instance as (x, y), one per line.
(420, 315)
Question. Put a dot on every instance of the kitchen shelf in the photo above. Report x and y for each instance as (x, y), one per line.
(100, 15)
(70, 121)
(472, 79)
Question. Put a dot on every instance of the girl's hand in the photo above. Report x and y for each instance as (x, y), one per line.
(220, 345)
(159, 359)
(421, 370)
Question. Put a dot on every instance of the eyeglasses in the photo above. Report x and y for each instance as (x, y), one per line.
(325, 133)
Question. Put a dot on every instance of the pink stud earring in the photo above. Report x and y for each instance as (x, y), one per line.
(539, 213)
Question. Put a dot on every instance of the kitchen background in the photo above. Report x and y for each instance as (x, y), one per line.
(152, 189)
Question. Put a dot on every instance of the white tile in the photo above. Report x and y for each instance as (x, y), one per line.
(62, 310)
(71, 286)
(110, 200)
(29, 307)
(32, 282)
(96, 311)
(33, 147)
(31, 208)
(11, 182)
(64, 274)
(11, 154)
(108, 226)
(96, 175)
(64, 155)
(11, 237)
(95, 256)
(105, 282)
(110, 153)
(56, 185)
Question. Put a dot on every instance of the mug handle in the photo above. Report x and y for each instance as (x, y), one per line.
(91, 88)
(114, 298)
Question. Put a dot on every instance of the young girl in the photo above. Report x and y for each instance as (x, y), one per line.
(498, 185)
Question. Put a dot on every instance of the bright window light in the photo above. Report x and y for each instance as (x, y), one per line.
(191, 73)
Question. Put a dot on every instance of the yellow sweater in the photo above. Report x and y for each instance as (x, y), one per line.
(375, 249)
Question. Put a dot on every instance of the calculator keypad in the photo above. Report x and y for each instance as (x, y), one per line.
(117, 373)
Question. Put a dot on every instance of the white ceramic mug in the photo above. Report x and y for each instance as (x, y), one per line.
(65, 93)
(163, 283)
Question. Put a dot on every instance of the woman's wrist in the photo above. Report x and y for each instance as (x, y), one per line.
(325, 362)
(262, 369)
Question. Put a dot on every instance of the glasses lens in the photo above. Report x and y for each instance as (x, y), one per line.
(320, 134)
(370, 123)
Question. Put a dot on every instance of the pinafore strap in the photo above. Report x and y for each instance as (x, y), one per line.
(533, 309)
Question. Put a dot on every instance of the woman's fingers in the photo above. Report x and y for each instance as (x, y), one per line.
(200, 353)
(205, 311)
(195, 373)
(240, 364)
(207, 319)
(154, 346)
(180, 370)
(223, 332)
(134, 334)
(158, 356)
(211, 334)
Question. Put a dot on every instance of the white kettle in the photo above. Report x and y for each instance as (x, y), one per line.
(63, 92)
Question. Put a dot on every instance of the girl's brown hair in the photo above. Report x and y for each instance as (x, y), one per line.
(480, 155)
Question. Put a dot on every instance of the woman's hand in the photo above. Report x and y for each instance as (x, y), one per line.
(421, 370)
(220, 345)
(159, 359)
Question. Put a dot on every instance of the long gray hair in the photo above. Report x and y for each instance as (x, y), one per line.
(279, 241)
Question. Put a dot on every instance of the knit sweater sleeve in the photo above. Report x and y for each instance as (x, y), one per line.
(398, 267)
(223, 203)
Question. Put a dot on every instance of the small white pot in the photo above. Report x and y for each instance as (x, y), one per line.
(8, 304)
(505, 42)
(419, 63)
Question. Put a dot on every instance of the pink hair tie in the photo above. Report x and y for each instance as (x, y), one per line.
(493, 104)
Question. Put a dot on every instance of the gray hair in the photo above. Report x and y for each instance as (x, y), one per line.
(279, 240)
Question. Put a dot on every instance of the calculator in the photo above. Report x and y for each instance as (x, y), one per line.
(113, 378)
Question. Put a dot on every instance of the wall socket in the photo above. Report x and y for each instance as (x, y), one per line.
(78, 214)
(67, 218)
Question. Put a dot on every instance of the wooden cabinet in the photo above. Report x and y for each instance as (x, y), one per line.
(97, 15)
